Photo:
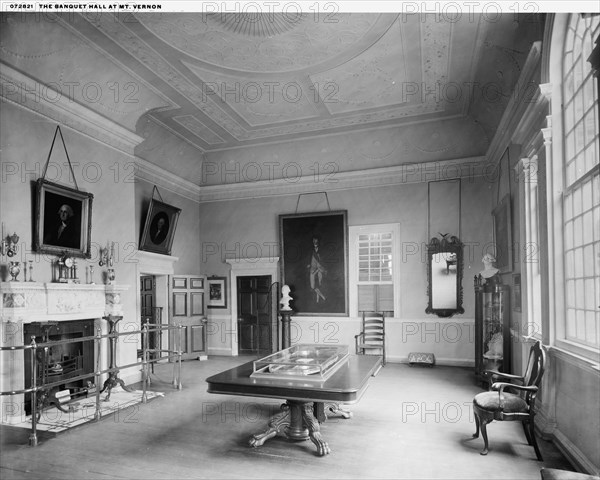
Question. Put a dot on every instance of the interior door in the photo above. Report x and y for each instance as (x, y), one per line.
(147, 296)
(187, 309)
(147, 302)
(254, 314)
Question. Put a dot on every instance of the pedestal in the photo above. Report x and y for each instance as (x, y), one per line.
(297, 422)
(286, 319)
(113, 377)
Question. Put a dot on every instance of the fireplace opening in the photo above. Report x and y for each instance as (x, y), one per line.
(60, 362)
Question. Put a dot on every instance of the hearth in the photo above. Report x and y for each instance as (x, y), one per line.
(59, 364)
(52, 305)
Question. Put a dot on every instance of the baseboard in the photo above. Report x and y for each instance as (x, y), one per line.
(446, 362)
(573, 454)
(219, 351)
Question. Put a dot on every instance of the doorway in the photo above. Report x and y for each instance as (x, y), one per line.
(254, 305)
(151, 314)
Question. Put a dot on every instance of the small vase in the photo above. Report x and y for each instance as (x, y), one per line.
(14, 269)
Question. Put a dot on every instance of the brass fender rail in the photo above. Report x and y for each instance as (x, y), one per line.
(34, 388)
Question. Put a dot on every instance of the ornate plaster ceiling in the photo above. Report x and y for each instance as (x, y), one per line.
(431, 88)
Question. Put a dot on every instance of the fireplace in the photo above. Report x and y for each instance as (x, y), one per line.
(53, 311)
(60, 362)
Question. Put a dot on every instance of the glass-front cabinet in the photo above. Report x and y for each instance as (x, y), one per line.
(492, 326)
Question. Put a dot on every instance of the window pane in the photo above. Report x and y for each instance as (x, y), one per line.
(571, 293)
(591, 328)
(588, 261)
(578, 257)
(580, 325)
(571, 327)
(590, 296)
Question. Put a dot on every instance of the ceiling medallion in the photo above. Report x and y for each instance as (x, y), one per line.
(257, 24)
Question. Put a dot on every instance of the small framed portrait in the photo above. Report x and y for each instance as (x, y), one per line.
(217, 292)
(159, 228)
(62, 220)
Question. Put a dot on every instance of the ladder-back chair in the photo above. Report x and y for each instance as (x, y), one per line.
(371, 340)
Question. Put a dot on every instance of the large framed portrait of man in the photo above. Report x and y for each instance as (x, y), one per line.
(314, 252)
(63, 220)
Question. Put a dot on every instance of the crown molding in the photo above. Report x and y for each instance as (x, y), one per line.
(377, 177)
(517, 104)
(151, 173)
(23, 91)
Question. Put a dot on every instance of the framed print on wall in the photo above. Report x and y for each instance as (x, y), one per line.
(159, 228)
(217, 292)
(314, 252)
(63, 220)
(503, 235)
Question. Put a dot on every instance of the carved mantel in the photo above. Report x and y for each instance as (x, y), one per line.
(41, 302)
(25, 302)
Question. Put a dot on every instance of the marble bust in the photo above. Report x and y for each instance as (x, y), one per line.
(285, 299)
(488, 266)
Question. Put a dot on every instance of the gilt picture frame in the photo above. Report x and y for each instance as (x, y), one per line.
(314, 253)
(62, 220)
(159, 227)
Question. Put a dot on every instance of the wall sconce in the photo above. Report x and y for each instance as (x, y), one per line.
(107, 256)
(9, 244)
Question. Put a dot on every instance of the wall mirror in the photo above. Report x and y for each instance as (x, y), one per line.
(444, 275)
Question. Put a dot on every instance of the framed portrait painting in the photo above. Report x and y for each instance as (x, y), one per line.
(503, 235)
(314, 252)
(217, 292)
(62, 220)
(159, 228)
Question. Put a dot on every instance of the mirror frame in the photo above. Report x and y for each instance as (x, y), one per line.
(453, 245)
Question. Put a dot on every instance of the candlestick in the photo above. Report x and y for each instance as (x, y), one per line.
(31, 270)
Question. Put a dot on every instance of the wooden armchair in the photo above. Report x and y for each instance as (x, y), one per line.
(372, 336)
(499, 404)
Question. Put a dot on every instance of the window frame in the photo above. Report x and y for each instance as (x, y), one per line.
(557, 190)
(353, 261)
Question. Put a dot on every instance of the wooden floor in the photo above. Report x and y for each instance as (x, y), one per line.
(413, 422)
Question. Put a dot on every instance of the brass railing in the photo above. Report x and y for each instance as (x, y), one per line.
(34, 388)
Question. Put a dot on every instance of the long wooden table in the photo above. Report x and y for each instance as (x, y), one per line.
(296, 420)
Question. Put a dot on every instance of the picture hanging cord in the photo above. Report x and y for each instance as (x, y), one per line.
(313, 193)
(58, 130)
(155, 189)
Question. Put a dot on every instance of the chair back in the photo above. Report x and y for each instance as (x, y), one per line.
(535, 369)
(373, 327)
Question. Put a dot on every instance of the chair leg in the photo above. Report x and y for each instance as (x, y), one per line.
(483, 425)
(476, 434)
(526, 430)
(534, 441)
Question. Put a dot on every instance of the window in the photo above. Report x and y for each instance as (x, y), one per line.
(580, 202)
(374, 260)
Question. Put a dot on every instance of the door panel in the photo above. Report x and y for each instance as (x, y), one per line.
(197, 303)
(180, 304)
(187, 308)
(254, 317)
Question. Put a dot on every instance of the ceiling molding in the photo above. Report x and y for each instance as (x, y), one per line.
(22, 90)
(156, 175)
(378, 177)
(521, 98)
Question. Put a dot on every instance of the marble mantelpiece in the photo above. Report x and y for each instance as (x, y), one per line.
(26, 302)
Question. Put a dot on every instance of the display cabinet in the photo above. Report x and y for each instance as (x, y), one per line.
(492, 326)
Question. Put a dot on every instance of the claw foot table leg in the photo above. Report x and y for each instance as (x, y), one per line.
(277, 424)
(314, 430)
